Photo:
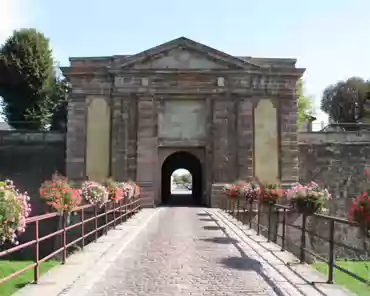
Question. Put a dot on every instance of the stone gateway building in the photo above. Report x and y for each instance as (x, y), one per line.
(182, 105)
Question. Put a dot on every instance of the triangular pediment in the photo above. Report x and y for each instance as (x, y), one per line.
(183, 53)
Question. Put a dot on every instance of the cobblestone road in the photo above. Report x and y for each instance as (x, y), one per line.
(187, 251)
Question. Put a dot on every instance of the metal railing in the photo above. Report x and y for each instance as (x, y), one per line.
(252, 213)
(111, 213)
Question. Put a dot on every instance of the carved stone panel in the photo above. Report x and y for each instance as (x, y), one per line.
(182, 120)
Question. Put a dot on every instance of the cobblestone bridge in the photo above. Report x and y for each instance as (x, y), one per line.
(182, 251)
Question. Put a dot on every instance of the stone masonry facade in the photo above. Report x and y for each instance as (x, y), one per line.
(140, 88)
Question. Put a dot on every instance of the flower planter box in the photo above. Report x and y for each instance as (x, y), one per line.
(306, 207)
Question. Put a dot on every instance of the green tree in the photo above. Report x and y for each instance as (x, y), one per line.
(344, 101)
(183, 179)
(27, 80)
(60, 93)
(305, 104)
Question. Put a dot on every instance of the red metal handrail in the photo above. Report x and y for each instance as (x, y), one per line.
(232, 207)
(121, 210)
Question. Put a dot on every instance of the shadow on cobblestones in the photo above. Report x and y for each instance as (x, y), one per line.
(246, 263)
(207, 220)
(221, 240)
(204, 214)
(211, 227)
(241, 263)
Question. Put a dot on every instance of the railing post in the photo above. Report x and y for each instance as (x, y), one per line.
(36, 271)
(106, 219)
(120, 211)
(96, 222)
(303, 238)
(244, 214)
(277, 212)
(114, 214)
(269, 224)
(250, 213)
(125, 206)
(83, 227)
(138, 203)
(258, 218)
(130, 208)
(135, 205)
(64, 221)
(237, 209)
(331, 252)
(283, 231)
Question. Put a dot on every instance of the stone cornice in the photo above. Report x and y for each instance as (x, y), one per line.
(109, 72)
(85, 71)
(288, 94)
(281, 72)
(189, 95)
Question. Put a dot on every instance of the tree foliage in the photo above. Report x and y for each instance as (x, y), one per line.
(60, 93)
(305, 104)
(27, 80)
(344, 101)
(183, 180)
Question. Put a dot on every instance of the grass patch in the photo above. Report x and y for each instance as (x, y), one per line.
(358, 268)
(9, 267)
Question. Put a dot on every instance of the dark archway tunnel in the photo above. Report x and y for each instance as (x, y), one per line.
(182, 160)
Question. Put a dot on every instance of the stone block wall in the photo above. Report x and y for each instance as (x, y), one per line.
(28, 159)
(336, 160)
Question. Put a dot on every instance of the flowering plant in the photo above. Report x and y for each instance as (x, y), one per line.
(252, 190)
(14, 209)
(94, 193)
(59, 195)
(129, 189)
(360, 208)
(226, 189)
(136, 189)
(270, 194)
(115, 192)
(309, 198)
(235, 190)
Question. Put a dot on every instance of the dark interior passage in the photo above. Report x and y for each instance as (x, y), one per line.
(182, 160)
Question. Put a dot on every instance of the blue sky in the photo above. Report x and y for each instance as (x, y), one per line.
(329, 38)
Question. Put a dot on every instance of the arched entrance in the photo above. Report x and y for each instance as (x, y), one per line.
(187, 161)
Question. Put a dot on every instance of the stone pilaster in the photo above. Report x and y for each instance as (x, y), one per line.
(76, 138)
(132, 128)
(119, 138)
(245, 139)
(288, 140)
(208, 175)
(223, 141)
(147, 153)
